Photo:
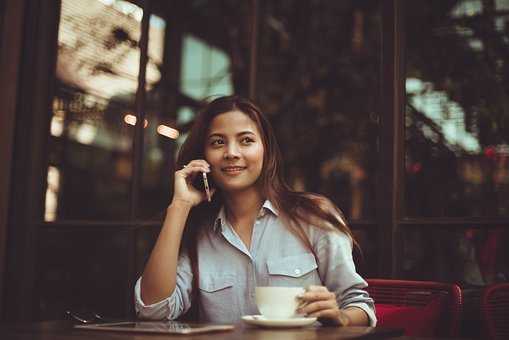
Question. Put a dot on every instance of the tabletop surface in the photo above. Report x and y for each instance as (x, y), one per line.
(64, 330)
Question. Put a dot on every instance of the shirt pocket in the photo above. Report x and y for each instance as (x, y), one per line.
(295, 270)
(217, 295)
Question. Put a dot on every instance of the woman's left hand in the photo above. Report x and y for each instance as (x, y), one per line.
(318, 302)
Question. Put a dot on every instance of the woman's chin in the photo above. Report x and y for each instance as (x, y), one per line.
(228, 188)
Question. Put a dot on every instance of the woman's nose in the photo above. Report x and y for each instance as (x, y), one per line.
(232, 151)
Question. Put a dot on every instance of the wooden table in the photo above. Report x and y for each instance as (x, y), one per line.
(60, 330)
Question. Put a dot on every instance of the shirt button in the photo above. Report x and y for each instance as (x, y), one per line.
(297, 271)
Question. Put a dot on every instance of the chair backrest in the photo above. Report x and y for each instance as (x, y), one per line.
(420, 294)
(495, 310)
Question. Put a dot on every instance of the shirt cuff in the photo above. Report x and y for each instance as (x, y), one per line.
(367, 309)
(155, 311)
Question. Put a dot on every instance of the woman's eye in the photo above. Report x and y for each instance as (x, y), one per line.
(247, 140)
(216, 142)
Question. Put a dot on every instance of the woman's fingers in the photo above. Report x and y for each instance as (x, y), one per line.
(314, 294)
(317, 306)
(314, 288)
(325, 313)
(198, 163)
(193, 167)
(190, 170)
(325, 308)
(183, 189)
(311, 295)
(332, 317)
(320, 303)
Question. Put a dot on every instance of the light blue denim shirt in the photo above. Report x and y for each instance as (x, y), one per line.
(229, 272)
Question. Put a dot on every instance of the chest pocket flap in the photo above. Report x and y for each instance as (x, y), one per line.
(213, 283)
(293, 266)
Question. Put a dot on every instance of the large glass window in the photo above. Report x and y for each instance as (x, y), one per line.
(457, 108)
(456, 140)
(318, 80)
(90, 147)
(470, 256)
(203, 56)
(316, 69)
(195, 50)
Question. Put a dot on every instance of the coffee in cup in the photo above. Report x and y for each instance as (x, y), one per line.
(278, 302)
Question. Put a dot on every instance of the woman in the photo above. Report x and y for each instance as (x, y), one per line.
(255, 232)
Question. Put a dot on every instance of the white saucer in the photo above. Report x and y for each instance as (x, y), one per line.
(260, 320)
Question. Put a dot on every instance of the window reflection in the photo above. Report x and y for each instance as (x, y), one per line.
(202, 61)
(318, 81)
(97, 49)
(157, 30)
(96, 81)
(52, 190)
(457, 127)
(205, 70)
(472, 256)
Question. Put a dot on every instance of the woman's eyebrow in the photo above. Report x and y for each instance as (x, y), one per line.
(245, 133)
(215, 135)
(242, 133)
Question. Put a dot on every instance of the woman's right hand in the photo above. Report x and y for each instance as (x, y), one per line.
(183, 189)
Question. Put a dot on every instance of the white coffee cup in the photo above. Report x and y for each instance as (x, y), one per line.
(278, 302)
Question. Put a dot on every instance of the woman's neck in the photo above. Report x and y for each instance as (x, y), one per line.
(243, 205)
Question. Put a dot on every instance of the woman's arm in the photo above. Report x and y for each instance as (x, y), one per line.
(343, 296)
(321, 303)
(356, 316)
(159, 277)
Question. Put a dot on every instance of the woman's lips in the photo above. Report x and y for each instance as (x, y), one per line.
(233, 169)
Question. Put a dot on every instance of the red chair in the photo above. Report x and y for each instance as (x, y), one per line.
(495, 310)
(422, 308)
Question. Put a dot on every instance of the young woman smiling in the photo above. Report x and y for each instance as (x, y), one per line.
(256, 231)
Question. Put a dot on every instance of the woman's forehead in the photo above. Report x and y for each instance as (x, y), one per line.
(232, 122)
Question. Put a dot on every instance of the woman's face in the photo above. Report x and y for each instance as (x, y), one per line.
(234, 150)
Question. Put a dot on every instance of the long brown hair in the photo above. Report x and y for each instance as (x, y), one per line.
(298, 209)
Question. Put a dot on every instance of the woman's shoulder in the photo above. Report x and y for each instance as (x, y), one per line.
(321, 230)
(320, 208)
(327, 240)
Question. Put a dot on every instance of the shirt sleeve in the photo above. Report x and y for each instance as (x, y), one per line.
(174, 305)
(338, 273)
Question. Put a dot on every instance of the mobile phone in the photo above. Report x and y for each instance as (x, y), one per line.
(203, 183)
(206, 185)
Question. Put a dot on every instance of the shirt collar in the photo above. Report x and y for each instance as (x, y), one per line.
(220, 220)
(267, 206)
